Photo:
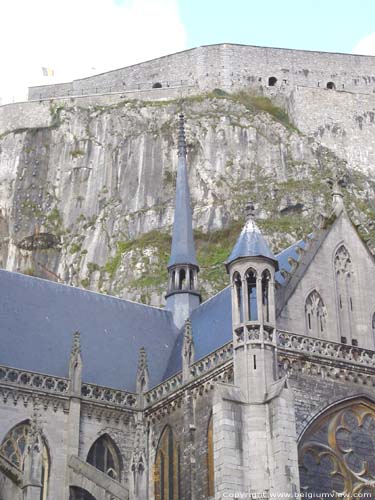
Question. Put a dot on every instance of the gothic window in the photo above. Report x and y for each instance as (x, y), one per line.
(167, 468)
(210, 459)
(344, 288)
(336, 452)
(182, 279)
(191, 280)
(76, 493)
(315, 314)
(237, 282)
(265, 295)
(104, 456)
(14, 448)
(251, 281)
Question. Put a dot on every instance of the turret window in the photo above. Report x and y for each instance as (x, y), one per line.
(237, 282)
(251, 281)
(315, 313)
(265, 295)
(182, 280)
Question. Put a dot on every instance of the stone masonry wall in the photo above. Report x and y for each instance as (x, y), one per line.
(230, 67)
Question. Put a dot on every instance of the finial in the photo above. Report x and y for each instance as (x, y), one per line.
(76, 347)
(36, 427)
(339, 181)
(250, 211)
(142, 372)
(188, 351)
(181, 136)
(142, 360)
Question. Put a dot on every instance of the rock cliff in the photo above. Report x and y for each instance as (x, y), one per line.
(87, 194)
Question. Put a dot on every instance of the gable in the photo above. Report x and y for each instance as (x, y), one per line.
(315, 270)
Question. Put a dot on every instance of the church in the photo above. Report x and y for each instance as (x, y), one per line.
(265, 390)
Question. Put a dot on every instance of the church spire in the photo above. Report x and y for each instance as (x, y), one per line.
(183, 248)
(183, 295)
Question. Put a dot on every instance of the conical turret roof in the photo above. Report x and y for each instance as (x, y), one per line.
(183, 248)
(251, 242)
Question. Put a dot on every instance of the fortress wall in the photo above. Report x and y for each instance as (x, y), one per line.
(341, 121)
(35, 114)
(168, 70)
(24, 115)
(297, 67)
(230, 67)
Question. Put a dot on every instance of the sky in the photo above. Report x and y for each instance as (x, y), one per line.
(78, 38)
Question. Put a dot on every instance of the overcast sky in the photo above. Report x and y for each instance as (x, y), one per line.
(78, 38)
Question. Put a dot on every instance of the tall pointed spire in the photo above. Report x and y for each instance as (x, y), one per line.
(183, 248)
(183, 295)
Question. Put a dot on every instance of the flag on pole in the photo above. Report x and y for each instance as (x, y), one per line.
(48, 71)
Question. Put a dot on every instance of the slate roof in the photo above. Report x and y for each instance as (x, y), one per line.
(251, 243)
(283, 257)
(183, 248)
(211, 326)
(212, 320)
(38, 318)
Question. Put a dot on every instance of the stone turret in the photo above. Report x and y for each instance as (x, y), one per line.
(183, 295)
(265, 463)
(252, 268)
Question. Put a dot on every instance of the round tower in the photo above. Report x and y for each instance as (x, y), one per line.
(252, 268)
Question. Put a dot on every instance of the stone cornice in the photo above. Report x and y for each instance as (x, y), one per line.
(296, 353)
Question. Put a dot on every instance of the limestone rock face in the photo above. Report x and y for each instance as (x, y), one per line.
(87, 194)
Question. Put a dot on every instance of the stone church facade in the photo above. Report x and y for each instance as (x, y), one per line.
(265, 390)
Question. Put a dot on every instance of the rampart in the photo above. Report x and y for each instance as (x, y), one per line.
(229, 67)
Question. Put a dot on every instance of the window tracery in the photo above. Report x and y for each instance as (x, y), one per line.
(167, 467)
(336, 454)
(104, 456)
(15, 448)
(344, 287)
(315, 314)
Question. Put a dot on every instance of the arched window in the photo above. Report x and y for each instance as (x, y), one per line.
(272, 80)
(76, 493)
(104, 456)
(182, 279)
(237, 282)
(315, 314)
(157, 85)
(210, 459)
(167, 468)
(251, 281)
(173, 280)
(344, 289)
(191, 274)
(15, 448)
(265, 295)
(331, 86)
(336, 452)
